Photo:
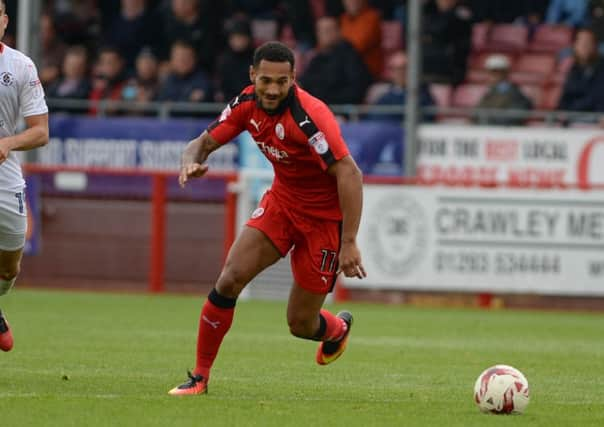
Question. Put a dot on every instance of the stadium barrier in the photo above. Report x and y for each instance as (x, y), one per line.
(73, 181)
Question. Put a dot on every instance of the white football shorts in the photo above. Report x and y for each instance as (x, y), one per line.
(13, 220)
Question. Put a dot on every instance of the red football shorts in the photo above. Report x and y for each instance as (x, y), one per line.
(314, 243)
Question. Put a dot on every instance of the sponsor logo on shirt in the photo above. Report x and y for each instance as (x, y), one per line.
(319, 143)
(7, 79)
(273, 152)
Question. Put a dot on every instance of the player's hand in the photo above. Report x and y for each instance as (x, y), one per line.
(191, 170)
(4, 152)
(350, 261)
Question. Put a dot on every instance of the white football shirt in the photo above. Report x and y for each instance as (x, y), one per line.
(21, 94)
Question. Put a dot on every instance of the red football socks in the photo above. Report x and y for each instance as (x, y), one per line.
(214, 322)
(335, 328)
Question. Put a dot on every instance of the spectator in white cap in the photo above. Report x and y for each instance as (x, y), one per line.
(502, 93)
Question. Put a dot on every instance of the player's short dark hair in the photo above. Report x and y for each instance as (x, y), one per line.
(274, 52)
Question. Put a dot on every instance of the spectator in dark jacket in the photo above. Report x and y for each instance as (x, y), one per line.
(199, 22)
(133, 28)
(233, 70)
(503, 94)
(143, 86)
(584, 85)
(185, 81)
(74, 82)
(108, 78)
(336, 74)
(396, 69)
(446, 40)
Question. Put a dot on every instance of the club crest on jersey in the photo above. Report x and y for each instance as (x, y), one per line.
(257, 213)
(7, 79)
(280, 131)
(319, 143)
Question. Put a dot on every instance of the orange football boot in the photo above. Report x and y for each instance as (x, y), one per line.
(329, 351)
(196, 384)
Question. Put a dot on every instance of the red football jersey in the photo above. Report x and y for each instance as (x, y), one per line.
(301, 140)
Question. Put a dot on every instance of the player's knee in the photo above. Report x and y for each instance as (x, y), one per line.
(9, 273)
(301, 327)
(7, 279)
(230, 282)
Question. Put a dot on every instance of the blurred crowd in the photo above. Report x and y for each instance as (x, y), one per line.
(517, 54)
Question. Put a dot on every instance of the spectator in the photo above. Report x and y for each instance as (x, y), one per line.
(134, 27)
(567, 12)
(74, 82)
(77, 21)
(396, 70)
(584, 86)
(446, 41)
(596, 22)
(502, 93)
(143, 87)
(507, 10)
(361, 26)
(52, 52)
(185, 81)
(108, 77)
(234, 64)
(199, 23)
(298, 14)
(336, 74)
(255, 9)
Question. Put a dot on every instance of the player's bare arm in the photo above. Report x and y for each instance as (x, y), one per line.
(350, 193)
(36, 135)
(194, 157)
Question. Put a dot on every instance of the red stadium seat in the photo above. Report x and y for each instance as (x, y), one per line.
(508, 38)
(551, 38)
(539, 63)
(392, 36)
(534, 93)
(467, 95)
(480, 35)
(442, 94)
(564, 66)
(533, 68)
(551, 97)
(477, 76)
(264, 30)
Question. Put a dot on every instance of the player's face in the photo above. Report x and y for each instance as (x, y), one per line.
(3, 20)
(272, 81)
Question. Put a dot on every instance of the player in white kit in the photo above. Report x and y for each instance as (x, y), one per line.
(21, 95)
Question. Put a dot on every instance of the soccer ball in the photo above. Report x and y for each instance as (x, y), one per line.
(501, 389)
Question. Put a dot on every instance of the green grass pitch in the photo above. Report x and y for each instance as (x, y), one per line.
(87, 359)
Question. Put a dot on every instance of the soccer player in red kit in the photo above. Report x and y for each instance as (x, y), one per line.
(313, 209)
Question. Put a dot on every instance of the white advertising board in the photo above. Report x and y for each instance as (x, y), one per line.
(483, 240)
(512, 156)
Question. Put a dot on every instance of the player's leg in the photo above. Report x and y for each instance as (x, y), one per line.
(314, 264)
(306, 319)
(10, 261)
(251, 253)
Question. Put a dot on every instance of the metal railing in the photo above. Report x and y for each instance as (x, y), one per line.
(353, 112)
